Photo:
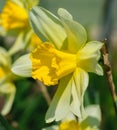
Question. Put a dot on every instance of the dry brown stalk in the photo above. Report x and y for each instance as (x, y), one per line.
(108, 72)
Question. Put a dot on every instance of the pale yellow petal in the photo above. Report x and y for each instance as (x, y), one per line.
(91, 47)
(59, 108)
(76, 33)
(69, 97)
(8, 90)
(46, 23)
(22, 66)
(79, 84)
(49, 64)
(88, 56)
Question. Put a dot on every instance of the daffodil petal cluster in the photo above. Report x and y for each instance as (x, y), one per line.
(68, 60)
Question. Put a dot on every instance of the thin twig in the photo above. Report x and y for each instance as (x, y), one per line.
(44, 91)
(108, 72)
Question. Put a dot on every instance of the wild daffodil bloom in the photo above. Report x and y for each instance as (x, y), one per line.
(7, 88)
(65, 60)
(14, 16)
(14, 19)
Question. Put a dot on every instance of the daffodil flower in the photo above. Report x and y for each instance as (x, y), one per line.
(15, 14)
(7, 87)
(91, 122)
(65, 59)
(15, 20)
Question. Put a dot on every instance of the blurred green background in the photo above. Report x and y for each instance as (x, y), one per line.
(100, 20)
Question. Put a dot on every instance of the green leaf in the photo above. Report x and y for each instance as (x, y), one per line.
(44, 22)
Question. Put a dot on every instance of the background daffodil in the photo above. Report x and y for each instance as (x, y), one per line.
(7, 87)
(91, 122)
(14, 19)
(74, 125)
(14, 16)
(67, 57)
